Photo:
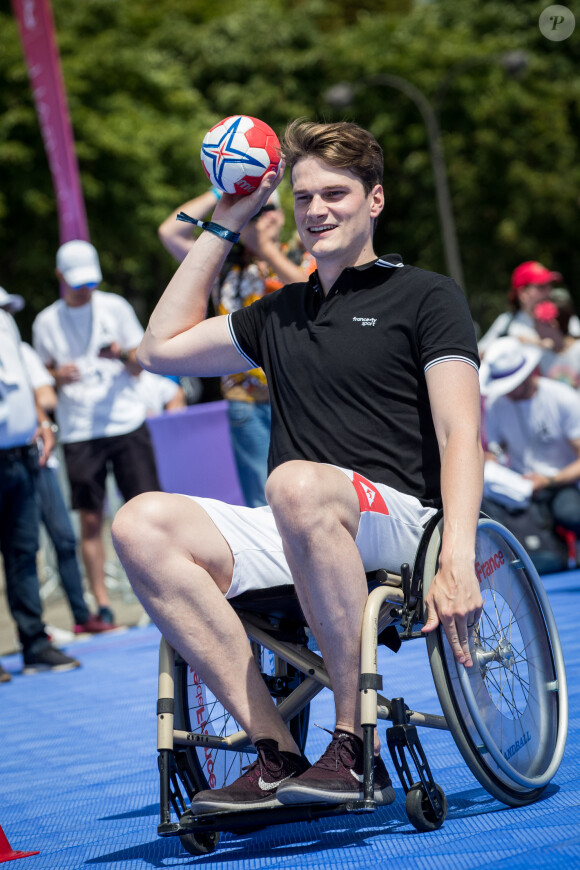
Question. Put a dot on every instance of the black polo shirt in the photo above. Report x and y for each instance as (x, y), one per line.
(347, 371)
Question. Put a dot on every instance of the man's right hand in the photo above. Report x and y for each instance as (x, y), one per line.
(234, 211)
(66, 374)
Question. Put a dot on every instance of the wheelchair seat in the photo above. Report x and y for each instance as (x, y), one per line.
(281, 602)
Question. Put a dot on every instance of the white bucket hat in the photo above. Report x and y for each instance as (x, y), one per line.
(506, 365)
(78, 262)
(11, 301)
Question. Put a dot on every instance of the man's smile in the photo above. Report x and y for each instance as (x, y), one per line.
(322, 229)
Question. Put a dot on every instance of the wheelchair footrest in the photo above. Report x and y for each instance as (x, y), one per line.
(169, 830)
(247, 819)
(402, 738)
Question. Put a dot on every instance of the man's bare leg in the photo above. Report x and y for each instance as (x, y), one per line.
(93, 553)
(317, 514)
(180, 567)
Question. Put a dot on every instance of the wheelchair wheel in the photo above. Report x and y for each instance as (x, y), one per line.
(419, 810)
(202, 843)
(215, 768)
(508, 713)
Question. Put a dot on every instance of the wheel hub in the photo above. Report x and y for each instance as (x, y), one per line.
(502, 653)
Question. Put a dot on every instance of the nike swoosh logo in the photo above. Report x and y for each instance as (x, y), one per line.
(357, 776)
(269, 786)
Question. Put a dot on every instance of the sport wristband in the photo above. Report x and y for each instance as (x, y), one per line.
(216, 229)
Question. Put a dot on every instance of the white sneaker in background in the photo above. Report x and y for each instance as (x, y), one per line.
(59, 636)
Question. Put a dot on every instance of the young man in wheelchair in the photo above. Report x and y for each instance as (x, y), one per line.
(373, 373)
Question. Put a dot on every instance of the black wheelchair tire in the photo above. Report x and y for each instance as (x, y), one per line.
(419, 810)
(202, 843)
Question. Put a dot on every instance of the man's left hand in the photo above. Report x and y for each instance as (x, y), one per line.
(539, 481)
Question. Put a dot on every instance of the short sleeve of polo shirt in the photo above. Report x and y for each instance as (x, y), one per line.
(246, 326)
(444, 326)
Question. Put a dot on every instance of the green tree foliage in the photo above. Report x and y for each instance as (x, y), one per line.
(146, 80)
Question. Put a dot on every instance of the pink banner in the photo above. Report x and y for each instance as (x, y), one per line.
(42, 58)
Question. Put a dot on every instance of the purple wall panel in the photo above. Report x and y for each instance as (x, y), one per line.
(194, 453)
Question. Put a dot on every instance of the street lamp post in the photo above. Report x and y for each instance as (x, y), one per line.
(342, 94)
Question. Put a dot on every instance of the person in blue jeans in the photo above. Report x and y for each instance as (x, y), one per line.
(22, 425)
(258, 265)
(249, 424)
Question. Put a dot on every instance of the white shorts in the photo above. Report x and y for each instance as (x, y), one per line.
(390, 529)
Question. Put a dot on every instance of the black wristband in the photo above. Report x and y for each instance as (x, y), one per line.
(216, 229)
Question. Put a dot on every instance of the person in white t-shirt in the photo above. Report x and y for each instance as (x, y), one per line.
(53, 509)
(532, 424)
(87, 340)
(160, 393)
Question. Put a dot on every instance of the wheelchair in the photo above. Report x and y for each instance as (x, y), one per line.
(508, 714)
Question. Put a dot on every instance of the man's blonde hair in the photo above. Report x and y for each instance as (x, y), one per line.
(343, 145)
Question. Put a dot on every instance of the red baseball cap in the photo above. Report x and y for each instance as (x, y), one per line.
(532, 272)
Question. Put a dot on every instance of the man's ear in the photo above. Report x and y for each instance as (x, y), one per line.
(377, 195)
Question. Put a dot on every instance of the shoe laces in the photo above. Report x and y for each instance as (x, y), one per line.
(342, 750)
(269, 761)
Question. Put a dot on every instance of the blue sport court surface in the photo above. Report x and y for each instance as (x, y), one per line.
(79, 782)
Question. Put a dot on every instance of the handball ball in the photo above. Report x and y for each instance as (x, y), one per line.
(237, 153)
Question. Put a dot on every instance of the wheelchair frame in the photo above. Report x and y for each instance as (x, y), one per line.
(517, 662)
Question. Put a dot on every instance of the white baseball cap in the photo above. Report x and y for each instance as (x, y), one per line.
(10, 301)
(78, 263)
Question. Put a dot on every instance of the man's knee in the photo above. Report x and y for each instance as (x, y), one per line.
(135, 518)
(91, 524)
(155, 527)
(312, 496)
(293, 487)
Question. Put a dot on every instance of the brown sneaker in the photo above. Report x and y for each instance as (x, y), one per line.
(337, 776)
(5, 677)
(94, 625)
(256, 788)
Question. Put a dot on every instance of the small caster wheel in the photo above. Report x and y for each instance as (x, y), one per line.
(420, 811)
(200, 844)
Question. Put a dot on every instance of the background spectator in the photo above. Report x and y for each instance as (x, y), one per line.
(22, 424)
(530, 283)
(160, 393)
(53, 510)
(532, 426)
(561, 357)
(87, 340)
